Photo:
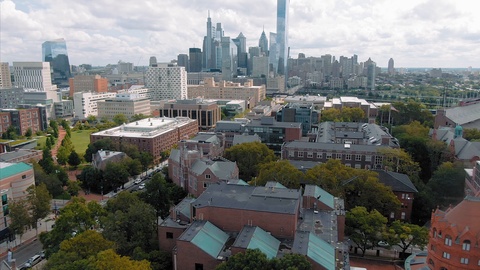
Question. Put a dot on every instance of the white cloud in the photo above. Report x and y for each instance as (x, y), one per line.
(436, 33)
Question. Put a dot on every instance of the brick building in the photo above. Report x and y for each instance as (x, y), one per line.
(230, 217)
(152, 135)
(23, 119)
(88, 83)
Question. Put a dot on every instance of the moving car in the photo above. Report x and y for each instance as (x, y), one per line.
(33, 260)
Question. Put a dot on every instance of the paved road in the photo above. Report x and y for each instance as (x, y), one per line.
(25, 252)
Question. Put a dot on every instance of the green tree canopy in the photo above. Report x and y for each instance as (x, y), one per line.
(116, 174)
(108, 259)
(120, 119)
(105, 144)
(74, 159)
(448, 183)
(404, 235)
(39, 201)
(365, 228)
(281, 171)
(157, 195)
(249, 157)
(252, 259)
(19, 216)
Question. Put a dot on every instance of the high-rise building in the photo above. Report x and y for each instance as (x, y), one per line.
(229, 58)
(33, 75)
(152, 61)
(195, 60)
(182, 61)
(391, 67)
(263, 43)
(282, 35)
(371, 68)
(166, 82)
(5, 78)
(207, 44)
(55, 52)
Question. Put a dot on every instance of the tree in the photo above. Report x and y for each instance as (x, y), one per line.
(28, 133)
(448, 183)
(54, 185)
(291, 261)
(157, 195)
(131, 223)
(404, 235)
(108, 259)
(249, 157)
(47, 161)
(39, 201)
(159, 260)
(365, 228)
(397, 160)
(92, 179)
(281, 171)
(19, 217)
(251, 259)
(105, 144)
(116, 174)
(62, 155)
(74, 159)
(146, 159)
(11, 133)
(92, 119)
(76, 217)
(471, 134)
(76, 251)
(73, 187)
(120, 119)
(54, 126)
(331, 115)
(139, 116)
(352, 114)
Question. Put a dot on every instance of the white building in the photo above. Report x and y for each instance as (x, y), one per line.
(259, 66)
(5, 79)
(166, 82)
(85, 104)
(33, 75)
(128, 104)
(39, 97)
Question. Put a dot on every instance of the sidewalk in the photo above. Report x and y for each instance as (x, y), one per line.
(29, 236)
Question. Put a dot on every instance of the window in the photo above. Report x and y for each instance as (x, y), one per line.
(300, 154)
(4, 199)
(464, 260)
(319, 155)
(430, 261)
(403, 215)
(368, 158)
(198, 266)
(448, 241)
(358, 157)
(348, 157)
(24, 176)
(309, 155)
(329, 155)
(358, 166)
(169, 235)
(392, 215)
(207, 176)
(466, 245)
(403, 195)
(446, 255)
(339, 156)
(291, 153)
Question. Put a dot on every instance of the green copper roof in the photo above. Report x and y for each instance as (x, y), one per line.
(265, 242)
(321, 252)
(321, 194)
(9, 169)
(210, 239)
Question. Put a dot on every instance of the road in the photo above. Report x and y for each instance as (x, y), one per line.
(25, 252)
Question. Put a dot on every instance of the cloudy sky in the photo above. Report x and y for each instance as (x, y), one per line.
(415, 33)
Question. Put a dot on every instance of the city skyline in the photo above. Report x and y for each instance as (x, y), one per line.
(427, 33)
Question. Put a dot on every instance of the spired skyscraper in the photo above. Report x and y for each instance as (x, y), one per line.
(55, 52)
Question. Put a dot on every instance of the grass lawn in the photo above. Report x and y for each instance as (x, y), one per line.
(80, 140)
(41, 142)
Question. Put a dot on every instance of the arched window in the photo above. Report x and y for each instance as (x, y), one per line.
(443, 268)
(434, 232)
(448, 240)
(466, 245)
(430, 261)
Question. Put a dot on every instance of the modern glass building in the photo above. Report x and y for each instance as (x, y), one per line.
(55, 52)
(282, 35)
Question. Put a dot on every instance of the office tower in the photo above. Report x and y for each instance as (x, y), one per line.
(259, 66)
(153, 61)
(391, 67)
(371, 74)
(327, 65)
(195, 59)
(282, 35)
(55, 52)
(335, 69)
(263, 43)
(88, 83)
(241, 42)
(166, 82)
(124, 67)
(5, 79)
(252, 52)
(229, 58)
(207, 44)
(33, 75)
(273, 54)
(182, 61)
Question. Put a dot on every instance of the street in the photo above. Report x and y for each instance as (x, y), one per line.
(25, 252)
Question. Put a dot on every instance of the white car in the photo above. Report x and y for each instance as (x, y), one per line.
(33, 261)
(142, 186)
(137, 181)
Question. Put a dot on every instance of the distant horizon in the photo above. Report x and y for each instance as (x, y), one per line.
(415, 33)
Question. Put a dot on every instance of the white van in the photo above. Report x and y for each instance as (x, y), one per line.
(33, 260)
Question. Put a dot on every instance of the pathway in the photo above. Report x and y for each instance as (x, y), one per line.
(61, 134)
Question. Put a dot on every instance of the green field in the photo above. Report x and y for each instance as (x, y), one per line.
(80, 140)
(41, 142)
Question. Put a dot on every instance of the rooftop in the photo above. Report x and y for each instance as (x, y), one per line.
(397, 181)
(252, 237)
(205, 236)
(320, 194)
(263, 199)
(307, 243)
(146, 128)
(464, 114)
(10, 169)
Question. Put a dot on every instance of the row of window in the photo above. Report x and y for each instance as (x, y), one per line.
(446, 255)
(328, 155)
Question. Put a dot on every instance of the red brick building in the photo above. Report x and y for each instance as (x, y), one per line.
(454, 237)
(153, 135)
(22, 120)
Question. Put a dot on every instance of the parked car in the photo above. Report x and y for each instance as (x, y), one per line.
(137, 181)
(383, 244)
(142, 186)
(33, 261)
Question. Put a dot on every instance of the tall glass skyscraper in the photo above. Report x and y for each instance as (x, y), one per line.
(55, 52)
(282, 36)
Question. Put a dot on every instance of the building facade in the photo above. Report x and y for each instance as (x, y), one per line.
(5, 77)
(24, 119)
(127, 104)
(88, 83)
(152, 135)
(86, 104)
(206, 112)
(55, 52)
(228, 90)
(166, 82)
(33, 75)
(11, 97)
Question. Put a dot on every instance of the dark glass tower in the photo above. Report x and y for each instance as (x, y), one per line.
(55, 52)
(282, 36)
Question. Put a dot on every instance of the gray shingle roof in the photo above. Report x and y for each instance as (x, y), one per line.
(223, 169)
(397, 181)
(464, 114)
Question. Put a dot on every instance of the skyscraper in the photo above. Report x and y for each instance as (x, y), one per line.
(182, 61)
(195, 59)
(371, 74)
(263, 43)
(391, 67)
(55, 52)
(282, 36)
